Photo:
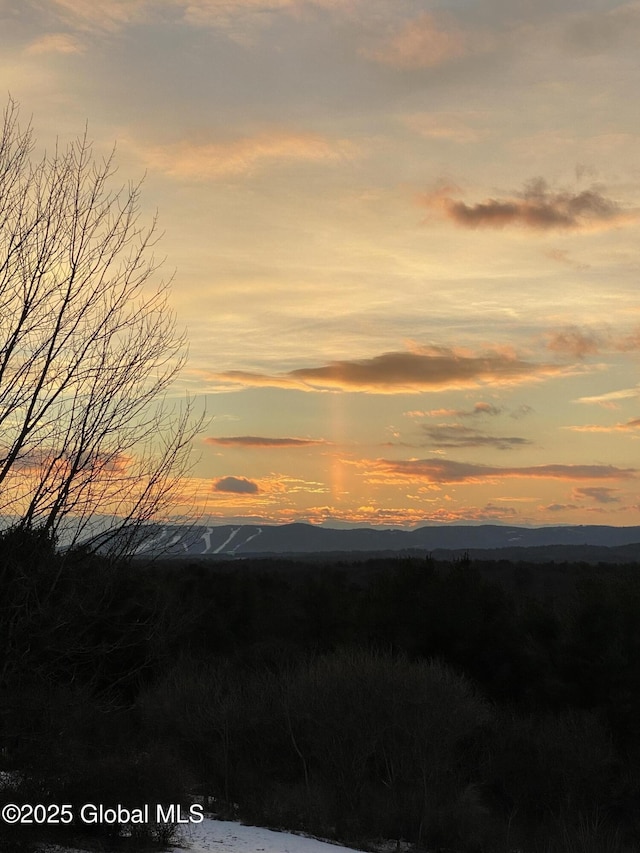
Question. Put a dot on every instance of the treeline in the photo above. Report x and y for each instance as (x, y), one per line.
(468, 706)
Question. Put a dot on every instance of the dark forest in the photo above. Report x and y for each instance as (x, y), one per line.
(465, 705)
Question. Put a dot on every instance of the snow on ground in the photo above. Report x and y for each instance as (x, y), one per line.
(223, 836)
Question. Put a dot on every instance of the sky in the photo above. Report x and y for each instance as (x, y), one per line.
(404, 239)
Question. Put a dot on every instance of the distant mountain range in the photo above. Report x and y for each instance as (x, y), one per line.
(304, 539)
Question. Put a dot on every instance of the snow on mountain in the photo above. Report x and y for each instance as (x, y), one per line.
(298, 538)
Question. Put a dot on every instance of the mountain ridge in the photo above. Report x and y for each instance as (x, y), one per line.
(302, 538)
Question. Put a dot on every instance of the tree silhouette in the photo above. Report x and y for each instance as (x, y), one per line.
(88, 347)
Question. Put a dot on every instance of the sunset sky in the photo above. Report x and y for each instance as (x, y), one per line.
(405, 237)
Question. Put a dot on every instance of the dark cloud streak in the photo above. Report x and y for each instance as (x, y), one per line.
(423, 369)
(449, 471)
(537, 208)
(600, 494)
(236, 485)
(262, 441)
(457, 435)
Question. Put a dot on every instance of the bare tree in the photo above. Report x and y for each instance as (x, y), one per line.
(88, 347)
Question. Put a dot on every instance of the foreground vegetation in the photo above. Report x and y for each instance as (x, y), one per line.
(469, 706)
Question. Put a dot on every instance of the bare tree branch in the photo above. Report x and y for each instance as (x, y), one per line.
(88, 347)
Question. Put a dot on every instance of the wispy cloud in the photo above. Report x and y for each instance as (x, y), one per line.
(574, 342)
(628, 426)
(629, 342)
(373, 514)
(448, 126)
(63, 43)
(559, 507)
(217, 13)
(610, 399)
(421, 43)
(113, 15)
(262, 441)
(199, 12)
(599, 494)
(579, 342)
(537, 207)
(562, 256)
(521, 411)
(102, 15)
(441, 471)
(479, 409)
(602, 30)
(424, 369)
(207, 159)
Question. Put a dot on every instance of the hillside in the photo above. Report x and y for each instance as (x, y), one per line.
(594, 543)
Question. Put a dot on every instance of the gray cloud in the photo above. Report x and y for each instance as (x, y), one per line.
(479, 410)
(449, 471)
(559, 507)
(537, 207)
(236, 485)
(520, 411)
(424, 369)
(457, 435)
(261, 441)
(600, 494)
(601, 31)
(579, 342)
(574, 342)
(482, 409)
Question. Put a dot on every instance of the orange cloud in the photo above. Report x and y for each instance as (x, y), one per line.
(441, 471)
(424, 369)
(261, 441)
(480, 408)
(563, 257)
(574, 342)
(629, 343)
(629, 426)
(421, 43)
(537, 208)
(210, 160)
(433, 413)
(372, 514)
(579, 342)
(274, 490)
(49, 459)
